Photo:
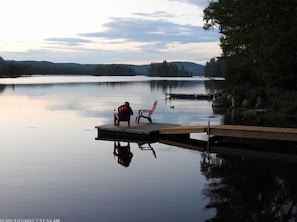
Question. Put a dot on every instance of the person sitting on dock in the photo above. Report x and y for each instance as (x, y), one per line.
(123, 114)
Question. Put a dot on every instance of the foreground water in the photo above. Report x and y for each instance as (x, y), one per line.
(53, 168)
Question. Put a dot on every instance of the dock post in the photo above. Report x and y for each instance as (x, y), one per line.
(208, 132)
(98, 133)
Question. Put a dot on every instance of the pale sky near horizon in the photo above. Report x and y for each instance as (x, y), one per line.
(106, 31)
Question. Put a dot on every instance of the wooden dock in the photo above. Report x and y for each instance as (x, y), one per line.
(158, 130)
(245, 140)
(238, 131)
(142, 131)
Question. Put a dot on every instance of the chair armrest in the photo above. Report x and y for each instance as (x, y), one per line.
(144, 110)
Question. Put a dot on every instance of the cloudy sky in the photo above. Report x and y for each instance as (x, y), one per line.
(106, 31)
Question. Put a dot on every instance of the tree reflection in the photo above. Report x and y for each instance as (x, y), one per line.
(250, 189)
(2, 88)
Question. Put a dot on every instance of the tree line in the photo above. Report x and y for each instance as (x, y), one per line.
(214, 68)
(166, 69)
(19, 68)
(12, 68)
(259, 47)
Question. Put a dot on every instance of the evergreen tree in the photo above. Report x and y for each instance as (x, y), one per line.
(258, 41)
(166, 69)
(3, 67)
(214, 68)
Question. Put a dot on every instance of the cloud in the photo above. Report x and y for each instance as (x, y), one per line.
(200, 3)
(95, 33)
(148, 30)
(157, 14)
(68, 41)
(149, 35)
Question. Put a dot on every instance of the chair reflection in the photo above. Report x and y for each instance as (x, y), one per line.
(122, 150)
(123, 153)
(148, 147)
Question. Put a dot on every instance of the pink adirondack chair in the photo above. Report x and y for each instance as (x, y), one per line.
(146, 113)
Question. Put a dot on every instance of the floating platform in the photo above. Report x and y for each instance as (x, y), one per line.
(190, 96)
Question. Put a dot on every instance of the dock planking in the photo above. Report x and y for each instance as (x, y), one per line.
(183, 129)
(239, 131)
(154, 131)
(255, 132)
(144, 131)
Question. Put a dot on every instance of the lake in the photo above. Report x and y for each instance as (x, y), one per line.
(53, 168)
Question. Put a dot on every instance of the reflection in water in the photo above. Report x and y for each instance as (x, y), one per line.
(98, 99)
(249, 189)
(44, 169)
(142, 146)
(123, 153)
(156, 84)
(214, 86)
(2, 88)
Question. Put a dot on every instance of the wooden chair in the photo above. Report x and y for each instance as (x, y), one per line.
(124, 113)
(146, 113)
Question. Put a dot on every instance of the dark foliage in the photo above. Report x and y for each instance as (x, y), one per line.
(214, 68)
(12, 68)
(19, 68)
(258, 43)
(258, 40)
(167, 70)
(114, 70)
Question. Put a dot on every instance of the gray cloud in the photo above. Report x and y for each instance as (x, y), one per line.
(69, 41)
(152, 30)
(156, 14)
(147, 30)
(200, 3)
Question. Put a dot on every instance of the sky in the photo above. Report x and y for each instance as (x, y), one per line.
(106, 31)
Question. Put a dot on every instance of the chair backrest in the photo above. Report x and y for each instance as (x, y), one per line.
(124, 112)
(153, 108)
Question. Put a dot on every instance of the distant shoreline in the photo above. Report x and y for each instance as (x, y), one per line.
(11, 68)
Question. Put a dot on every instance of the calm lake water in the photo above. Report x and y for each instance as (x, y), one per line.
(53, 168)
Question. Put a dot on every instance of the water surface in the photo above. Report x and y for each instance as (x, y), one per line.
(52, 166)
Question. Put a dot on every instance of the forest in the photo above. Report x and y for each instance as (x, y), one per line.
(19, 68)
(12, 68)
(259, 48)
(166, 69)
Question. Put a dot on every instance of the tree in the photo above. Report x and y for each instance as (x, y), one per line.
(258, 41)
(3, 67)
(214, 68)
(166, 69)
(114, 70)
